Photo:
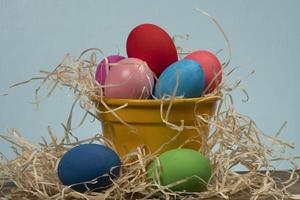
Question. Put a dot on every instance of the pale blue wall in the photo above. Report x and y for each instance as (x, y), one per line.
(265, 36)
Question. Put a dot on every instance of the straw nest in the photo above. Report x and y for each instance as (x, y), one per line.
(234, 140)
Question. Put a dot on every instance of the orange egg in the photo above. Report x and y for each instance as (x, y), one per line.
(211, 67)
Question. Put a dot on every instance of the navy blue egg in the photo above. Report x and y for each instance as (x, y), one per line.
(190, 76)
(86, 162)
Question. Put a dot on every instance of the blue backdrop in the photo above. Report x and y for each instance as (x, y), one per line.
(264, 35)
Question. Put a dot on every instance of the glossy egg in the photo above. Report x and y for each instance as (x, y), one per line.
(104, 67)
(152, 44)
(185, 165)
(88, 162)
(211, 67)
(190, 80)
(131, 78)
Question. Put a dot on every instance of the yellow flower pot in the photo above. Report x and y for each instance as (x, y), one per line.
(147, 130)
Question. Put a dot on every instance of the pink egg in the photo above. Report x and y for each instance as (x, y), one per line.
(104, 67)
(130, 78)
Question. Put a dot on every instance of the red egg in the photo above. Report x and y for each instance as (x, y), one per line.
(153, 45)
(211, 67)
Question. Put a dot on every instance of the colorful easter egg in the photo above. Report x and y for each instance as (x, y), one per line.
(104, 67)
(89, 162)
(211, 67)
(131, 78)
(186, 165)
(190, 80)
(153, 45)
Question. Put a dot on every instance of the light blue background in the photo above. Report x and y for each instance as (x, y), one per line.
(265, 36)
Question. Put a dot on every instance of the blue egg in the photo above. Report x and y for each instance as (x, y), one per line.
(86, 162)
(190, 76)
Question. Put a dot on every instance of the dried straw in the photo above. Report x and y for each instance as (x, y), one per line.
(234, 140)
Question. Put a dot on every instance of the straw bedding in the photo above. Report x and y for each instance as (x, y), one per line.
(233, 140)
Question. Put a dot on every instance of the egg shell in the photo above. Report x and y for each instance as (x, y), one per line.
(86, 162)
(181, 164)
(152, 44)
(103, 67)
(211, 67)
(190, 76)
(131, 78)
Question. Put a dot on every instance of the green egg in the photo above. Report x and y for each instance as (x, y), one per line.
(181, 164)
